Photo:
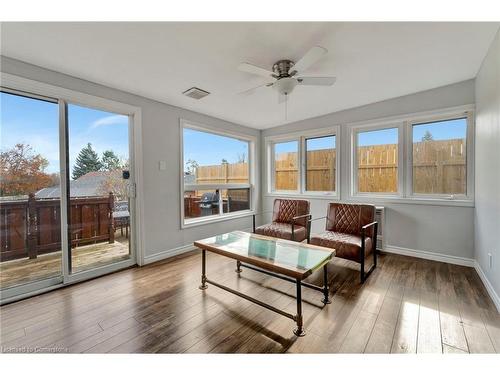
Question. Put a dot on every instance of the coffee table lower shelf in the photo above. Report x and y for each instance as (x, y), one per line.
(298, 317)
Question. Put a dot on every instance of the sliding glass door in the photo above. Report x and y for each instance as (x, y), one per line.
(30, 204)
(67, 193)
(99, 199)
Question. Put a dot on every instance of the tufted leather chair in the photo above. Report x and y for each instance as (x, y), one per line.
(351, 230)
(291, 220)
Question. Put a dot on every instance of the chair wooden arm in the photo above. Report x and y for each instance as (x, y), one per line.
(365, 227)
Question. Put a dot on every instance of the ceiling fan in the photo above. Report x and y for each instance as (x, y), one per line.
(287, 74)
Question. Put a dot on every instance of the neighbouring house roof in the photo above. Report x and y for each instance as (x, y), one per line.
(85, 186)
(88, 186)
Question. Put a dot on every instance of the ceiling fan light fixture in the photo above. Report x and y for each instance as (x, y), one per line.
(285, 85)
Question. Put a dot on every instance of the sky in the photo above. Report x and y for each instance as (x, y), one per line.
(210, 149)
(36, 122)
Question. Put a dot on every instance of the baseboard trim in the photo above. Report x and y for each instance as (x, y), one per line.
(489, 288)
(173, 252)
(168, 254)
(461, 261)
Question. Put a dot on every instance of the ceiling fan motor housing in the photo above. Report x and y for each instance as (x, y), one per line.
(282, 67)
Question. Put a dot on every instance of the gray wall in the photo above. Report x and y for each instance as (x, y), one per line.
(441, 229)
(487, 211)
(160, 139)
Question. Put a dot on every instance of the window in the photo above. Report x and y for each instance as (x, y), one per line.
(377, 161)
(320, 163)
(422, 156)
(439, 163)
(304, 164)
(286, 166)
(216, 177)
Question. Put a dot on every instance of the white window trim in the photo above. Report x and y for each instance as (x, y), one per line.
(469, 149)
(188, 223)
(300, 138)
(405, 167)
(273, 164)
(353, 162)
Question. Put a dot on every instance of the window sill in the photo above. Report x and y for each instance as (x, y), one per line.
(413, 200)
(379, 199)
(325, 196)
(189, 223)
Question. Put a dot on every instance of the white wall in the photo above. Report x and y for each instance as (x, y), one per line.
(487, 211)
(160, 138)
(441, 229)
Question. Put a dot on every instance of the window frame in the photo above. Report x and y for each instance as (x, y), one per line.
(353, 162)
(221, 216)
(301, 139)
(469, 155)
(273, 167)
(405, 184)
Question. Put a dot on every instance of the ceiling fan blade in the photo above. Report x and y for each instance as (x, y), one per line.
(254, 69)
(313, 55)
(254, 89)
(316, 81)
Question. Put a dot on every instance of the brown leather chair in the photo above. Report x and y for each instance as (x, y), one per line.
(291, 220)
(351, 230)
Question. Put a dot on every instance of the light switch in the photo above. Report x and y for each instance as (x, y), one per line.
(163, 165)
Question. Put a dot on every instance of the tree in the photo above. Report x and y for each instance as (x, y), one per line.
(22, 171)
(242, 158)
(427, 136)
(191, 166)
(86, 161)
(224, 161)
(110, 161)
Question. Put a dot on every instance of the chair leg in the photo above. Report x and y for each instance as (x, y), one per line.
(362, 260)
(362, 271)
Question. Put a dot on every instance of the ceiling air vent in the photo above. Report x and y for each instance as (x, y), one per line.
(196, 93)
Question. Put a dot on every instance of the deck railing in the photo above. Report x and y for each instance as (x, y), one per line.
(31, 227)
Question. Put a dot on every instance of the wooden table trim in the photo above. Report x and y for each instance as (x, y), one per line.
(267, 265)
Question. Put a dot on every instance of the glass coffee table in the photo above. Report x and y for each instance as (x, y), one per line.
(287, 260)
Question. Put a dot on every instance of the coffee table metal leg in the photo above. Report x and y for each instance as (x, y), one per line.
(238, 266)
(203, 285)
(325, 300)
(299, 331)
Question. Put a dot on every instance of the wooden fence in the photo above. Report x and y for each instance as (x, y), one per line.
(32, 227)
(222, 174)
(438, 167)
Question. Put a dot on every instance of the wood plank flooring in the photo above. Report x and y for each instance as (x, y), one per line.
(407, 305)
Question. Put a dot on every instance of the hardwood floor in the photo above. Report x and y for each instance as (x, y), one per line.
(407, 305)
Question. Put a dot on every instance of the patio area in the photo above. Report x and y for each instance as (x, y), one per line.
(22, 271)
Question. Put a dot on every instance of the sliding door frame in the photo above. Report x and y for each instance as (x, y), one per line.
(64, 97)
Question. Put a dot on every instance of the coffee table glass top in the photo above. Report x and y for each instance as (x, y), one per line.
(280, 253)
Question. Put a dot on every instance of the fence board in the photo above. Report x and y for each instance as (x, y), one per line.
(91, 221)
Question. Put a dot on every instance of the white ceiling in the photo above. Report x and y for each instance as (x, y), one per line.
(372, 61)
